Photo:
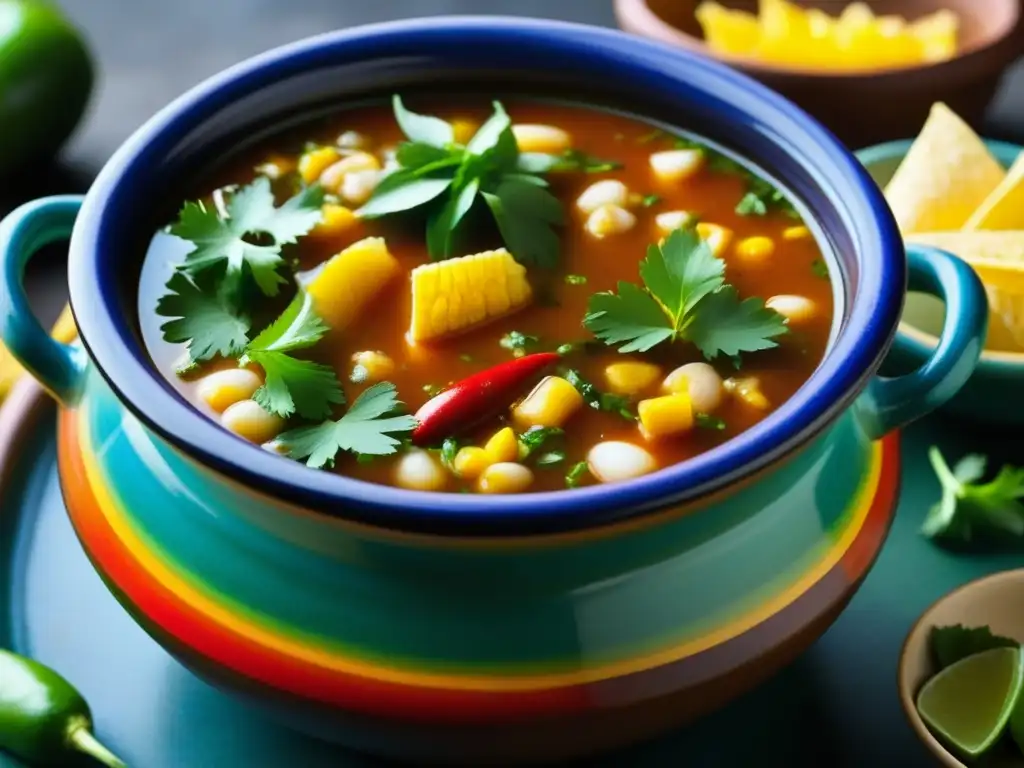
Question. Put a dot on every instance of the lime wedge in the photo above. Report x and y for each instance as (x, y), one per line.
(968, 704)
(1017, 723)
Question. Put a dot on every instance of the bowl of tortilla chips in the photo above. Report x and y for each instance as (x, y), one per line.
(953, 190)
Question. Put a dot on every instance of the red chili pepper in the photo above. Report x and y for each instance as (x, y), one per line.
(478, 397)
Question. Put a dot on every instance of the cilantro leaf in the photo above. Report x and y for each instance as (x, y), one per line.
(576, 474)
(299, 326)
(404, 197)
(969, 507)
(233, 242)
(709, 421)
(576, 160)
(631, 318)
(449, 450)
(296, 386)
(681, 271)
(535, 438)
(518, 343)
(412, 154)
(366, 428)
(494, 140)
(951, 644)
(729, 326)
(530, 242)
(204, 319)
(424, 129)
(598, 400)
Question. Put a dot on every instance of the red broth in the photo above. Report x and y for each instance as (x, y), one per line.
(588, 264)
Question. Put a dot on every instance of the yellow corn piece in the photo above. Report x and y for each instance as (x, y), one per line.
(665, 415)
(755, 250)
(796, 233)
(455, 295)
(716, 236)
(502, 446)
(350, 280)
(748, 391)
(550, 404)
(315, 162)
(336, 220)
(470, 462)
(631, 378)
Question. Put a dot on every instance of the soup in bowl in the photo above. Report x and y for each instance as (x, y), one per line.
(461, 405)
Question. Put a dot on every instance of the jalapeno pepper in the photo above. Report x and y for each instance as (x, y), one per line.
(43, 719)
(478, 397)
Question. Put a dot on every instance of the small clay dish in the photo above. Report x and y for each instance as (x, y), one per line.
(996, 602)
(865, 106)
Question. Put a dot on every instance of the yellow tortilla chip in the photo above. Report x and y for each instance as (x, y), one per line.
(945, 176)
(1004, 207)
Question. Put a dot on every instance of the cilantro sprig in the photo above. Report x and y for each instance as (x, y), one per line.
(369, 426)
(448, 180)
(202, 317)
(684, 298)
(970, 508)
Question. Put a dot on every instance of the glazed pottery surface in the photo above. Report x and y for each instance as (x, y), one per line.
(436, 626)
(992, 394)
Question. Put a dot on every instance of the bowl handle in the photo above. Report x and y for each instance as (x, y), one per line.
(890, 403)
(58, 367)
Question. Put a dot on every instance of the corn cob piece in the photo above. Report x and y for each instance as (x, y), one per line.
(343, 286)
(455, 295)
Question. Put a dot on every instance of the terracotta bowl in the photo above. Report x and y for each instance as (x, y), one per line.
(865, 107)
(995, 601)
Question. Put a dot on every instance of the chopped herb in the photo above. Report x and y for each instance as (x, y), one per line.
(684, 298)
(518, 343)
(707, 421)
(576, 279)
(969, 507)
(820, 269)
(550, 458)
(575, 160)
(466, 357)
(650, 200)
(535, 438)
(751, 204)
(951, 644)
(433, 390)
(369, 426)
(449, 448)
(654, 135)
(598, 400)
(576, 474)
(449, 179)
(763, 197)
(203, 317)
(566, 349)
(249, 235)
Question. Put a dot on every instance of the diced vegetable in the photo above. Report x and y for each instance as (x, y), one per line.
(552, 402)
(604, 192)
(670, 221)
(545, 139)
(470, 462)
(631, 378)
(370, 365)
(717, 237)
(333, 177)
(676, 164)
(610, 220)
(337, 219)
(755, 250)
(314, 163)
(454, 295)
(419, 471)
(249, 420)
(701, 382)
(478, 397)
(505, 477)
(796, 233)
(344, 286)
(797, 310)
(614, 461)
(224, 388)
(358, 186)
(665, 416)
(748, 391)
(503, 446)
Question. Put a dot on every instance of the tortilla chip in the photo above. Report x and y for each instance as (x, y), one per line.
(1004, 208)
(945, 176)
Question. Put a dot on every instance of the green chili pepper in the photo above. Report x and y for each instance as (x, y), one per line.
(43, 719)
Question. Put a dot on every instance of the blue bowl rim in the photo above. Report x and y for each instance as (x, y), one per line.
(868, 325)
(920, 343)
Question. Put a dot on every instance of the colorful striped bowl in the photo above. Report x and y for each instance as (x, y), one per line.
(463, 628)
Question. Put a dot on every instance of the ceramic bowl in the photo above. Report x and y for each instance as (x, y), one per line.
(992, 395)
(865, 107)
(459, 627)
(994, 601)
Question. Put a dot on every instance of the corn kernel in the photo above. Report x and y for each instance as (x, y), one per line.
(505, 477)
(551, 403)
(796, 309)
(604, 192)
(755, 250)
(614, 461)
(463, 130)
(470, 462)
(748, 391)
(676, 164)
(371, 365)
(223, 388)
(631, 378)
(541, 138)
(610, 220)
(665, 415)
(247, 419)
(670, 221)
(314, 163)
(796, 233)
(503, 446)
(335, 220)
(332, 177)
(698, 380)
(357, 187)
(717, 237)
(418, 471)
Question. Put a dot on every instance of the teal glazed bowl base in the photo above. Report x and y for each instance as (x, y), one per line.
(466, 628)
